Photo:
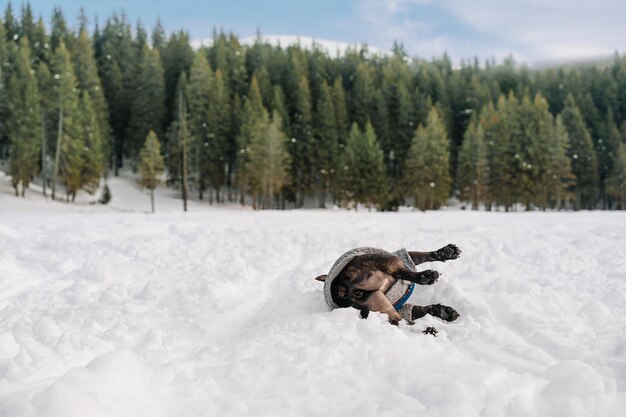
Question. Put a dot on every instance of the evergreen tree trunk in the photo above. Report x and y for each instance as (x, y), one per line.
(322, 195)
(43, 152)
(152, 198)
(118, 156)
(182, 117)
(57, 153)
(270, 196)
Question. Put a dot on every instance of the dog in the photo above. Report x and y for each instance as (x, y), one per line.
(371, 279)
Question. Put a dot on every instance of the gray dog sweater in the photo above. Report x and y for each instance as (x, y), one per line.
(398, 291)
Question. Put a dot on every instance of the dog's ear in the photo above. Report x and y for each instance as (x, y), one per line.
(321, 278)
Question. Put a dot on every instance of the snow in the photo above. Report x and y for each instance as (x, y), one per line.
(330, 46)
(111, 311)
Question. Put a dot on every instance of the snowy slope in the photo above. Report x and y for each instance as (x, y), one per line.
(115, 312)
(332, 47)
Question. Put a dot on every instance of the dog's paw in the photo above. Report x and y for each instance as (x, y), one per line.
(417, 312)
(430, 330)
(428, 277)
(445, 313)
(447, 253)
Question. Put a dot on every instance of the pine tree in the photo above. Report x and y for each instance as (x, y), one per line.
(140, 40)
(40, 44)
(380, 121)
(148, 105)
(91, 138)
(265, 85)
(582, 155)
(363, 178)
(560, 176)
(4, 62)
(496, 124)
(532, 150)
(60, 33)
(27, 24)
(396, 87)
(218, 53)
(11, 25)
(278, 105)
(118, 68)
(66, 106)
(48, 106)
(201, 120)
(301, 143)
(232, 153)
(178, 138)
(218, 144)
(236, 65)
(183, 135)
(341, 112)
(158, 36)
(268, 159)
(325, 150)
(361, 95)
(514, 120)
(106, 196)
(88, 80)
(427, 172)
(177, 58)
(473, 169)
(606, 150)
(151, 164)
(250, 118)
(114, 92)
(71, 151)
(24, 121)
(616, 183)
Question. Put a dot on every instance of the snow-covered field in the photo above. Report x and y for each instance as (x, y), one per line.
(109, 311)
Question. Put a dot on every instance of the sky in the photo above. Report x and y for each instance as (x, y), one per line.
(533, 31)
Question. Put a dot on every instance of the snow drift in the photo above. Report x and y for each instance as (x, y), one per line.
(216, 312)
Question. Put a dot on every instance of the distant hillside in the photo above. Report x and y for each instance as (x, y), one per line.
(331, 47)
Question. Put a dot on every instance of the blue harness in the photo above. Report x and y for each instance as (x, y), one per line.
(398, 304)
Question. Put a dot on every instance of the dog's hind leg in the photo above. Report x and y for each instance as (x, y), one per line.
(436, 310)
(447, 253)
(378, 302)
(427, 277)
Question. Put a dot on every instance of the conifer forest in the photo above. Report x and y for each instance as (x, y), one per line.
(291, 127)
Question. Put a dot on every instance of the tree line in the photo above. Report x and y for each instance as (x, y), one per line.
(287, 126)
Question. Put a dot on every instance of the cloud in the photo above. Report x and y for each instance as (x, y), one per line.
(558, 29)
(388, 21)
(531, 30)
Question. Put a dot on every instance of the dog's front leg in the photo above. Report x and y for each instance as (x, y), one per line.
(447, 253)
(378, 302)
